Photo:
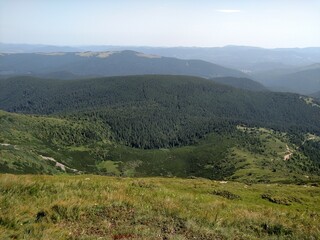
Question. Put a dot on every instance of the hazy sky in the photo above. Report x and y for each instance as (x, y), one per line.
(264, 23)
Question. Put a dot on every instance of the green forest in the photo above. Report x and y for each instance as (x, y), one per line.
(158, 126)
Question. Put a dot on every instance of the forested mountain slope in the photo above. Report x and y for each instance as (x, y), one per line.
(155, 125)
(159, 111)
(51, 145)
(238, 57)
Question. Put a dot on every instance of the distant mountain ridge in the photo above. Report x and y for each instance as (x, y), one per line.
(302, 80)
(111, 63)
(33, 48)
(316, 95)
(246, 58)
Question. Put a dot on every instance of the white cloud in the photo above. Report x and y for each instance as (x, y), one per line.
(228, 10)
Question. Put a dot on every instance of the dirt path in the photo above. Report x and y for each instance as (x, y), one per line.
(8, 145)
(288, 154)
(5, 144)
(58, 164)
(308, 139)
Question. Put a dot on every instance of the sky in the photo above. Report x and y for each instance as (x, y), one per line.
(165, 23)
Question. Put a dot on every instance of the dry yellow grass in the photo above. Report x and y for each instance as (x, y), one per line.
(96, 207)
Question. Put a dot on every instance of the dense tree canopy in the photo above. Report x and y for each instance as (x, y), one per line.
(155, 111)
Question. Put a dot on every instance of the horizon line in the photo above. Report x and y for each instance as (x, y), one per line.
(148, 46)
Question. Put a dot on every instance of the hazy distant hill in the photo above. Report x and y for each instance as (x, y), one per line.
(238, 57)
(33, 48)
(303, 80)
(242, 83)
(107, 64)
(316, 95)
(243, 57)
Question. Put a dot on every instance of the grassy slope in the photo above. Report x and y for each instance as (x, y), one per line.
(246, 154)
(31, 136)
(93, 207)
(263, 161)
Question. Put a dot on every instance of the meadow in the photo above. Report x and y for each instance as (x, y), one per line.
(102, 207)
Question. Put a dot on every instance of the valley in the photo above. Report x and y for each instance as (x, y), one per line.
(157, 125)
(159, 120)
(156, 157)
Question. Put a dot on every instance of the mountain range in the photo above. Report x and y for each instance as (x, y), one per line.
(128, 113)
(287, 70)
(113, 63)
(247, 58)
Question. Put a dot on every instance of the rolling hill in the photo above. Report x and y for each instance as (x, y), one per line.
(54, 145)
(155, 125)
(155, 93)
(176, 101)
(112, 63)
(303, 80)
(249, 58)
